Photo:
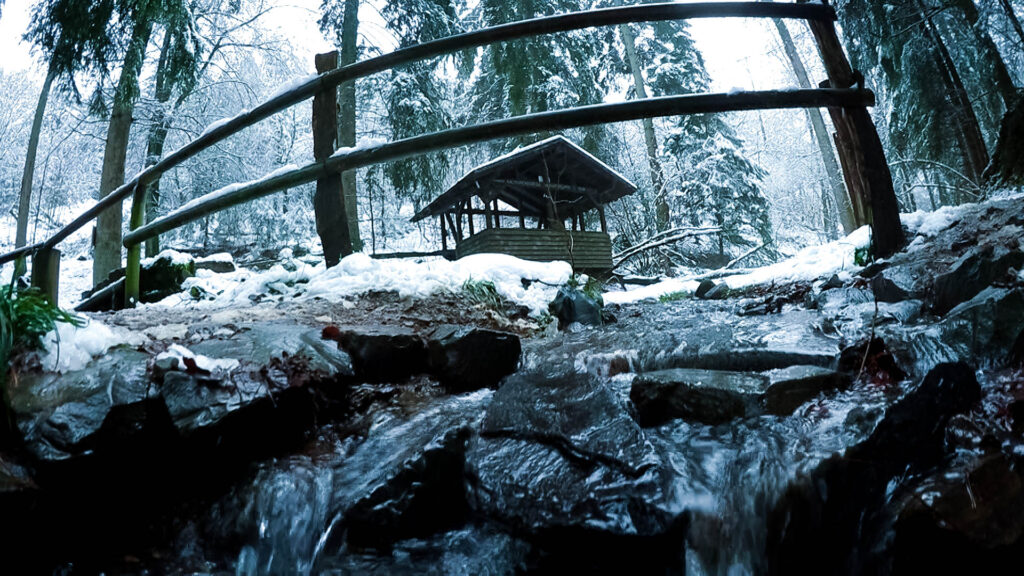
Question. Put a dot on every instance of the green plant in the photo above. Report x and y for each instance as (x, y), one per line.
(673, 296)
(25, 317)
(484, 293)
(862, 256)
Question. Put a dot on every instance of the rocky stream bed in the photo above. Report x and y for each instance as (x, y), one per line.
(859, 424)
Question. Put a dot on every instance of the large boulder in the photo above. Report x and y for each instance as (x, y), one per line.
(464, 358)
(61, 416)
(560, 462)
(163, 275)
(836, 520)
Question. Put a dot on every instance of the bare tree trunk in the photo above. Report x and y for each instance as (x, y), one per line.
(966, 119)
(347, 117)
(157, 136)
(25, 200)
(107, 242)
(1012, 17)
(662, 212)
(821, 135)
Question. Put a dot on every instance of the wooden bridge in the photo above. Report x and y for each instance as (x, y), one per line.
(860, 151)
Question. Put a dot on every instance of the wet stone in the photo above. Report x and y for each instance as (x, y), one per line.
(465, 358)
(384, 354)
(704, 287)
(791, 387)
(60, 416)
(971, 275)
(708, 396)
(560, 454)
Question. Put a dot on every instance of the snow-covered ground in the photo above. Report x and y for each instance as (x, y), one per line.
(532, 284)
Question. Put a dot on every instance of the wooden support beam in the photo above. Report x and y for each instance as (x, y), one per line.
(444, 233)
(452, 227)
(469, 214)
(604, 222)
(329, 200)
(861, 155)
(497, 215)
(46, 272)
(133, 263)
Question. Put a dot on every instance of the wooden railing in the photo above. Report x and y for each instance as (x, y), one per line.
(864, 164)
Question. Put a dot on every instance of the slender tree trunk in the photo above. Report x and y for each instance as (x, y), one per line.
(1012, 17)
(25, 200)
(661, 207)
(994, 60)
(821, 135)
(347, 117)
(107, 242)
(966, 119)
(160, 124)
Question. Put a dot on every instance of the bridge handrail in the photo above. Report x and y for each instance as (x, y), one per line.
(349, 159)
(503, 32)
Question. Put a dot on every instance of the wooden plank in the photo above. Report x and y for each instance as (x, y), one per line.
(46, 272)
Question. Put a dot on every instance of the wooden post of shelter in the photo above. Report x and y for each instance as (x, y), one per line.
(328, 200)
(865, 168)
(46, 272)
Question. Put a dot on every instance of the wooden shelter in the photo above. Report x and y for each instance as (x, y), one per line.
(542, 202)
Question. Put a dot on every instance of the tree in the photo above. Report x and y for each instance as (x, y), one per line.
(73, 36)
(342, 18)
(415, 96)
(538, 74)
(717, 184)
(822, 138)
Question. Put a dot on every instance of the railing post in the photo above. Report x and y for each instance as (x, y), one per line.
(133, 265)
(865, 168)
(46, 272)
(329, 200)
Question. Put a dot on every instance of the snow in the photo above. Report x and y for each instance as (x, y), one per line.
(809, 264)
(538, 144)
(224, 257)
(358, 273)
(363, 144)
(71, 347)
(179, 353)
(292, 84)
(176, 258)
(929, 224)
(214, 125)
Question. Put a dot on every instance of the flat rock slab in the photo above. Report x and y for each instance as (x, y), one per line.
(717, 396)
(60, 415)
(708, 396)
(789, 388)
(382, 353)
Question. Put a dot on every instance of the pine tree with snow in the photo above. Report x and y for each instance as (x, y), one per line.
(715, 183)
(530, 75)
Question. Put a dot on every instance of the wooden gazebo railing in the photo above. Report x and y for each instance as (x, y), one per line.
(865, 169)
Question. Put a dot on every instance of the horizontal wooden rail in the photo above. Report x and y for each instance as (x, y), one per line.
(515, 30)
(349, 159)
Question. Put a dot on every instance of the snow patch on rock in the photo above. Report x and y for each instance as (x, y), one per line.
(71, 347)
